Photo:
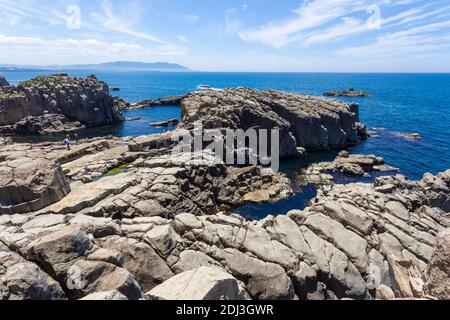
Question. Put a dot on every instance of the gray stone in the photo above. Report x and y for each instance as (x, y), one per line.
(199, 284)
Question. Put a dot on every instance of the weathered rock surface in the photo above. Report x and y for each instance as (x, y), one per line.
(167, 101)
(347, 93)
(304, 121)
(54, 102)
(199, 284)
(437, 275)
(352, 242)
(347, 165)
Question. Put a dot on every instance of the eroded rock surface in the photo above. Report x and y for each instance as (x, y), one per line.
(57, 103)
(359, 241)
(304, 121)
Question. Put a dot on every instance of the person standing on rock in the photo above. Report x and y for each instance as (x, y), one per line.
(67, 142)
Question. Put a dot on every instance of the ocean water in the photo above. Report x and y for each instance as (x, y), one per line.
(414, 103)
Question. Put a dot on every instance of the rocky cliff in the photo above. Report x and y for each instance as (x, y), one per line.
(309, 122)
(79, 101)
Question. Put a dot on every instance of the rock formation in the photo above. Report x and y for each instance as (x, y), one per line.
(308, 122)
(167, 101)
(3, 82)
(346, 93)
(437, 275)
(40, 103)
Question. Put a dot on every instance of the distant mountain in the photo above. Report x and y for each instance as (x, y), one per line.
(109, 66)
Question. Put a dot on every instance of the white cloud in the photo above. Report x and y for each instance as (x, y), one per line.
(310, 15)
(20, 50)
(109, 21)
(420, 39)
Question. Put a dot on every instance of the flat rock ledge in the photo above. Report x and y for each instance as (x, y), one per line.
(359, 241)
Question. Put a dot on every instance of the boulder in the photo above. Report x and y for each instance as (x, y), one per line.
(163, 238)
(200, 284)
(264, 281)
(406, 277)
(87, 277)
(24, 280)
(438, 271)
(141, 260)
(30, 184)
(58, 250)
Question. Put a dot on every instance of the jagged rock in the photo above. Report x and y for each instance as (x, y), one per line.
(58, 250)
(29, 184)
(146, 266)
(304, 121)
(162, 238)
(307, 285)
(354, 165)
(23, 280)
(264, 281)
(93, 276)
(437, 274)
(384, 293)
(199, 284)
(83, 100)
(407, 278)
(167, 101)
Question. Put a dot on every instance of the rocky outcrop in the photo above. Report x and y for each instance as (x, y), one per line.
(437, 274)
(167, 101)
(307, 122)
(29, 184)
(171, 122)
(4, 82)
(81, 101)
(347, 93)
(345, 165)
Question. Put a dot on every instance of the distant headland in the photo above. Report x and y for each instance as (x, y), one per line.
(117, 66)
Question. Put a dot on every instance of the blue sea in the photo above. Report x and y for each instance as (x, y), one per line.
(414, 103)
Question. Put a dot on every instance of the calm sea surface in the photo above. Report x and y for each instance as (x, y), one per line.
(414, 103)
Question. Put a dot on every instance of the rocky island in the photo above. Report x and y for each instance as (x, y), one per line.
(127, 219)
(347, 93)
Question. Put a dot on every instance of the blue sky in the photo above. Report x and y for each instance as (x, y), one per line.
(232, 35)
